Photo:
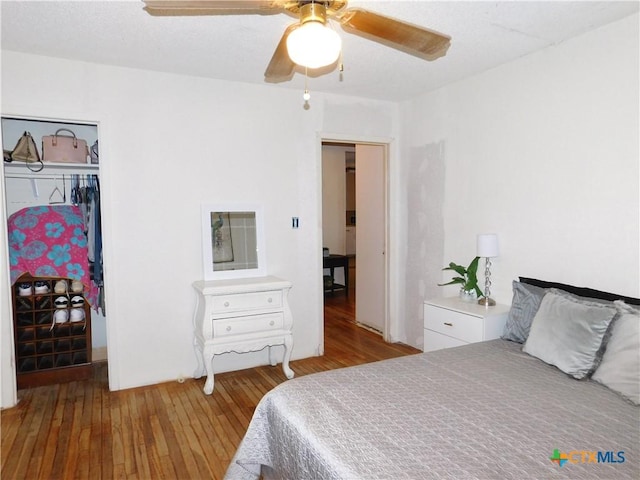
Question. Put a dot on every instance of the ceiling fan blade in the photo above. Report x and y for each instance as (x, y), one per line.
(212, 7)
(417, 41)
(280, 68)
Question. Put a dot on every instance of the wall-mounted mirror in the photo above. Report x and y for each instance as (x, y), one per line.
(233, 241)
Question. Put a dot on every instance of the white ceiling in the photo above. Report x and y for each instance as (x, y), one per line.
(238, 48)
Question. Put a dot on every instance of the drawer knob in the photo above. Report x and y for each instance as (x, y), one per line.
(448, 324)
(229, 328)
(269, 300)
(226, 304)
(272, 323)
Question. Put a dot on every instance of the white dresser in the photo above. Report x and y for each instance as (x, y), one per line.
(451, 322)
(241, 315)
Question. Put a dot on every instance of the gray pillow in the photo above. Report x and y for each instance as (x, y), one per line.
(620, 366)
(599, 301)
(568, 332)
(525, 304)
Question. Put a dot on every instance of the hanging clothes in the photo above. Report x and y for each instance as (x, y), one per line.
(97, 227)
(91, 198)
(85, 199)
(48, 241)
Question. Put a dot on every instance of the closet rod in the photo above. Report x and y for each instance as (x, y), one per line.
(48, 176)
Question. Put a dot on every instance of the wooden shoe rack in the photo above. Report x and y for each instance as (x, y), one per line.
(48, 352)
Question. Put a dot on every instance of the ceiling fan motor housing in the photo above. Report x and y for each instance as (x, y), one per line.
(332, 6)
(313, 12)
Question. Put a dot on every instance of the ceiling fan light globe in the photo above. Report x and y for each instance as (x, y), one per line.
(314, 45)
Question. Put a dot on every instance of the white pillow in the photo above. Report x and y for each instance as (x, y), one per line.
(568, 332)
(620, 366)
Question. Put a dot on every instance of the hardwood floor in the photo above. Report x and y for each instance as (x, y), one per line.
(171, 430)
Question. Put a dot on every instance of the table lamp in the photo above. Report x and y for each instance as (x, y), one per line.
(487, 247)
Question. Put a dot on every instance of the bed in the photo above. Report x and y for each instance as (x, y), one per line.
(487, 410)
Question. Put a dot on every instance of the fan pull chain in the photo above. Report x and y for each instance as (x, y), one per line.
(306, 95)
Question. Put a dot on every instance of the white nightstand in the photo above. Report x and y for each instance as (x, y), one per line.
(451, 322)
(241, 315)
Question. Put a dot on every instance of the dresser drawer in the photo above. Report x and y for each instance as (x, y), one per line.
(246, 301)
(454, 324)
(251, 324)
(437, 341)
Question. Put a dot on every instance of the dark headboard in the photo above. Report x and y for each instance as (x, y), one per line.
(580, 291)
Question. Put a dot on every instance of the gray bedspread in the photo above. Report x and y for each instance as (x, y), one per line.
(484, 411)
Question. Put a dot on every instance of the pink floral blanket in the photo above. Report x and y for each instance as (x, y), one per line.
(49, 241)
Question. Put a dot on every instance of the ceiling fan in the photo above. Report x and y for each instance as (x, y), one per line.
(314, 15)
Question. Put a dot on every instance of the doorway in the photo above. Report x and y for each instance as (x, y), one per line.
(354, 214)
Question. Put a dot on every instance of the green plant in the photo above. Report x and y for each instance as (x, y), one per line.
(467, 277)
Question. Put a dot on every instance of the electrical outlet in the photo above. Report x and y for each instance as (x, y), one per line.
(295, 223)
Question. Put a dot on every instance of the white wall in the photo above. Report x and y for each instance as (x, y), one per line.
(542, 151)
(169, 143)
(7, 376)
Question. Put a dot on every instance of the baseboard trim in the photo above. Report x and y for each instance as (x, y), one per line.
(99, 354)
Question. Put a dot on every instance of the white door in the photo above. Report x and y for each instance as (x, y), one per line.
(371, 237)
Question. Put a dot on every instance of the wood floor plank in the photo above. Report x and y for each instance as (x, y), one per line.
(204, 423)
(25, 445)
(95, 428)
(106, 467)
(49, 451)
(168, 431)
(71, 444)
(41, 460)
(140, 425)
(166, 414)
(118, 444)
(83, 464)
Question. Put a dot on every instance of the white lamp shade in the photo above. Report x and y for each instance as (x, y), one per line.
(314, 45)
(487, 245)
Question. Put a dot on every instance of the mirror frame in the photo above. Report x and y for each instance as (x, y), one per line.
(207, 253)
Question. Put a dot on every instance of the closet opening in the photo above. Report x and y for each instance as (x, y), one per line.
(54, 242)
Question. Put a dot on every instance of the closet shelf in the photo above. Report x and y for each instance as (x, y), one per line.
(20, 169)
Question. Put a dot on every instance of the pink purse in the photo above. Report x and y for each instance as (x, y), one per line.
(63, 148)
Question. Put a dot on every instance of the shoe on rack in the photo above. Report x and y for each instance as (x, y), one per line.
(77, 301)
(24, 289)
(77, 314)
(61, 302)
(77, 286)
(60, 286)
(41, 287)
(61, 316)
